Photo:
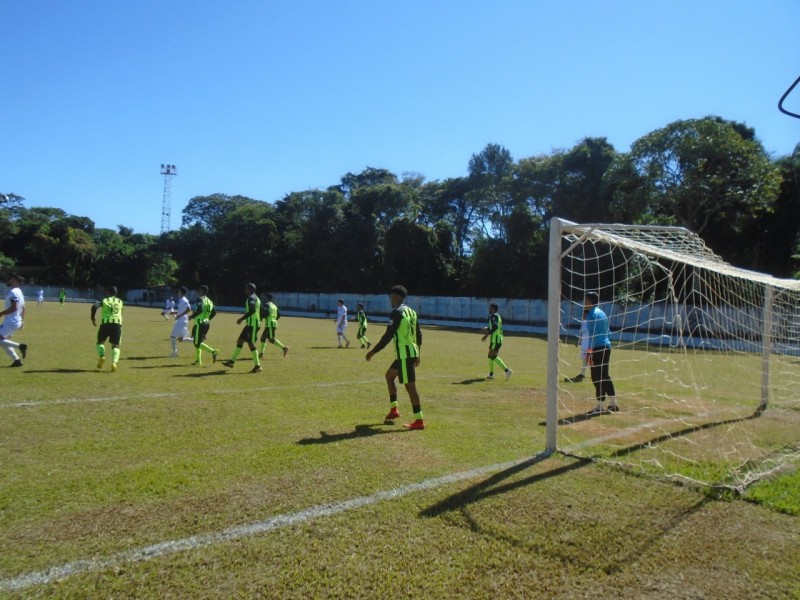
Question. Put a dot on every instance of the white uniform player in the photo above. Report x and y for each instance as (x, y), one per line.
(341, 324)
(180, 331)
(14, 314)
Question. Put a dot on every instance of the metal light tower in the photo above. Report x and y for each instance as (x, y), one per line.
(168, 171)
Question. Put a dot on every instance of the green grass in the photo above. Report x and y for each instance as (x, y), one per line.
(94, 465)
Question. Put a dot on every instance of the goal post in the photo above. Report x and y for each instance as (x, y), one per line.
(700, 349)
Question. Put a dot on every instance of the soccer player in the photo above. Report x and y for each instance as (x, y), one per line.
(203, 312)
(270, 315)
(169, 309)
(404, 331)
(599, 353)
(62, 295)
(361, 316)
(341, 324)
(14, 314)
(494, 331)
(110, 326)
(180, 331)
(249, 334)
(583, 343)
(40, 297)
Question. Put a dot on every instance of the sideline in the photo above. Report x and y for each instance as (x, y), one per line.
(80, 567)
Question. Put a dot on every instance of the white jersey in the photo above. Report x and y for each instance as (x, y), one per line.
(15, 295)
(180, 308)
(583, 337)
(341, 319)
(181, 327)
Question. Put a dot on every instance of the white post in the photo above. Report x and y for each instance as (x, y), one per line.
(766, 347)
(553, 331)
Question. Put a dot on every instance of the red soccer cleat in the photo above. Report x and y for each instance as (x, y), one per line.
(393, 414)
(418, 424)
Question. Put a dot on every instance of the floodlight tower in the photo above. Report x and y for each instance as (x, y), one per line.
(168, 171)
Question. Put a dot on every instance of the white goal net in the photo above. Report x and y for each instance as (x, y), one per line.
(705, 357)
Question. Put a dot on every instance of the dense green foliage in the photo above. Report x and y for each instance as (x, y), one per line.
(482, 234)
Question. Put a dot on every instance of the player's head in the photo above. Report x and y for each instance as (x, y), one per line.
(360, 306)
(15, 279)
(250, 288)
(182, 290)
(111, 290)
(398, 295)
(268, 297)
(591, 299)
(202, 290)
(340, 302)
(493, 307)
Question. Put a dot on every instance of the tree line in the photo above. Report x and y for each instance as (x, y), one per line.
(483, 234)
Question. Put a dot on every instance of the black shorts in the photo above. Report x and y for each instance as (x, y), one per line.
(199, 333)
(249, 334)
(406, 370)
(111, 332)
(269, 333)
(496, 347)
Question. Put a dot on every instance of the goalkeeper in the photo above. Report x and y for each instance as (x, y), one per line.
(599, 353)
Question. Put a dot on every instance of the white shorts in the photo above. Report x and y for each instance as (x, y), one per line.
(340, 329)
(180, 329)
(8, 327)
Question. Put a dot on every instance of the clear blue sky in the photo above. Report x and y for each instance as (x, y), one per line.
(263, 98)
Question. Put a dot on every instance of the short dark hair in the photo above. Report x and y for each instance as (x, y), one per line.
(594, 297)
(203, 289)
(112, 290)
(494, 306)
(399, 290)
(267, 296)
(359, 305)
(17, 276)
(182, 290)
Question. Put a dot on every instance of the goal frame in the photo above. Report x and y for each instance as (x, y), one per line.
(559, 226)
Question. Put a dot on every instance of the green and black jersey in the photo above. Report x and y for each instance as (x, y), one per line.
(110, 310)
(495, 329)
(404, 331)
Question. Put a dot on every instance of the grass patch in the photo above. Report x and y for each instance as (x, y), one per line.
(96, 465)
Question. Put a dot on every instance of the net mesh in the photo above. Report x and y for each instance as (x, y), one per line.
(705, 357)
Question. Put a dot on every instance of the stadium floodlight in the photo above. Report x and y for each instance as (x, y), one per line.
(700, 350)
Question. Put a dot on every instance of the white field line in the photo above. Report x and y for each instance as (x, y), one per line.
(147, 553)
(157, 395)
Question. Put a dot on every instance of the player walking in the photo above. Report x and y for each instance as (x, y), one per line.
(494, 331)
(110, 326)
(361, 316)
(341, 324)
(404, 330)
(14, 314)
(270, 315)
(203, 312)
(249, 335)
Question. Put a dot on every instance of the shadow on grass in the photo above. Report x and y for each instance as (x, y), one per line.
(591, 414)
(66, 371)
(683, 432)
(492, 485)
(470, 381)
(205, 373)
(361, 431)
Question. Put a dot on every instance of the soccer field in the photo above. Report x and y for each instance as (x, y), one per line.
(168, 480)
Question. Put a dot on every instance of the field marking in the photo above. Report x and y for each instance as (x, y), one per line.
(195, 542)
(156, 395)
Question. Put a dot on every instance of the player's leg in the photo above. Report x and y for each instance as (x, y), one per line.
(391, 376)
(408, 377)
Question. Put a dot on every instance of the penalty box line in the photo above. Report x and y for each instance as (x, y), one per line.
(79, 567)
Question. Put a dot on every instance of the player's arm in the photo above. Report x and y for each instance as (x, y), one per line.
(95, 306)
(12, 307)
(250, 310)
(391, 329)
